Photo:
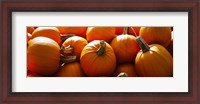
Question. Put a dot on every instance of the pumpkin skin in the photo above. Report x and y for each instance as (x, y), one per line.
(70, 70)
(43, 56)
(156, 35)
(73, 46)
(155, 62)
(30, 29)
(170, 48)
(125, 48)
(126, 68)
(50, 32)
(100, 33)
(79, 31)
(29, 37)
(120, 30)
(98, 63)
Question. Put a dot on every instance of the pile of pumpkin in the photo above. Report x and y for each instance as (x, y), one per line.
(99, 51)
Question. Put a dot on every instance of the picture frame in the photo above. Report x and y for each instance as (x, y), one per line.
(190, 6)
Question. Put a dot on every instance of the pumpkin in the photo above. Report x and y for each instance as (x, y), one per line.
(72, 69)
(126, 68)
(79, 31)
(132, 31)
(29, 37)
(98, 59)
(153, 60)
(31, 74)
(156, 35)
(30, 29)
(170, 48)
(73, 46)
(125, 48)
(43, 56)
(50, 32)
(100, 33)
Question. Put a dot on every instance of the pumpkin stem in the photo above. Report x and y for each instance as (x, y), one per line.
(126, 30)
(67, 50)
(143, 45)
(134, 31)
(102, 47)
(66, 36)
(67, 59)
(122, 75)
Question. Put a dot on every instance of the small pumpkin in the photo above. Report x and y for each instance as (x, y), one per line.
(100, 33)
(43, 56)
(153, 60)
(72, 69)
(98, 59)
(73, 46)
(78, 31)
(50, 32)
(126, 68)
(125, 47)
(156, 35)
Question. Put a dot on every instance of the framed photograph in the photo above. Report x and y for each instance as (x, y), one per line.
(100, 51)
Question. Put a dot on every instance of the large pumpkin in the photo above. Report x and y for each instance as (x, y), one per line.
(153, 60)
(73, 46)
(50, 32)
(126, 68)
(98, 59)
(72, 69)
(43, 56)
(100, 33)
(156, 35)
(79, 31)
(125, 48)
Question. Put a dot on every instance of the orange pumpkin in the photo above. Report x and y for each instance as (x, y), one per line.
(30, 29)
(156, 35)
(100, 33)
(31, 74)
(125, 48)
(170, 48)
(70, 70)
(119, 30)
(126, 68)
(29, 37)
(132, 31)
(153, 60)
(98, 59)
(43, 56)
(79, 31)
(50, 32)
(73, 46)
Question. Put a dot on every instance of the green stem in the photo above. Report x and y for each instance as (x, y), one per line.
(126, 30)
(134, 31)
(67, 59)
(67, 50)
(66, 36)
(143, 45)
(101, 50)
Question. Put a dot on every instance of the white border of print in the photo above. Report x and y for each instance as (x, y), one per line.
(177, 83)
